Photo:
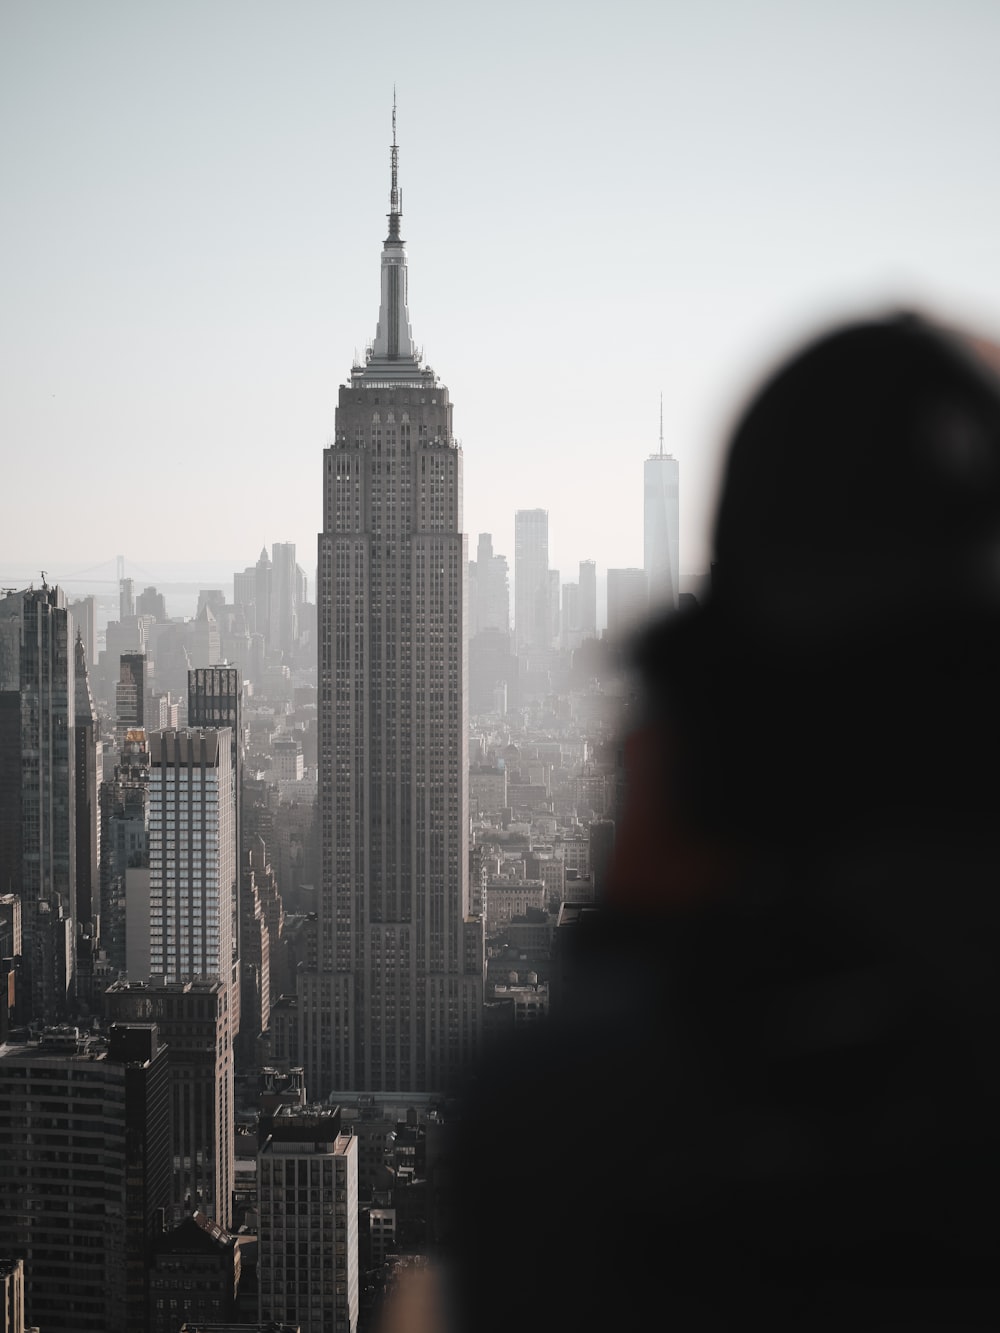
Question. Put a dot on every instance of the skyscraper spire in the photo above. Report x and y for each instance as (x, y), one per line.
(395, 197)
(661, 423)
(393, 355)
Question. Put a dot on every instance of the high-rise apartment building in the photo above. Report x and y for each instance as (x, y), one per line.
(533, 613)
(192, 855)
(396, 1000)
(661, 528)
(307, 1187)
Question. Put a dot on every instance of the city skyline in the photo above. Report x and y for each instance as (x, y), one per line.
(668, 203)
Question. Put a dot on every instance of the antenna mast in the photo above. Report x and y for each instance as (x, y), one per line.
(395, 197)
(661, 423)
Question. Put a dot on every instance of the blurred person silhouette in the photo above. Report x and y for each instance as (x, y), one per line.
(773, 1098)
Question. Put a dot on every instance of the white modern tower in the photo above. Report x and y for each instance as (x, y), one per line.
(661, 526)
(192, 849)
(395, 1001)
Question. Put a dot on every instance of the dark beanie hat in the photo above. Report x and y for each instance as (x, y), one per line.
(863, 482)
(857, 574)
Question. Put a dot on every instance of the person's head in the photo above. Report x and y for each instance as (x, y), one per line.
(846, 649)
(862, 487)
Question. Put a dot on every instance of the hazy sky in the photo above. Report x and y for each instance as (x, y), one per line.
(601, 201)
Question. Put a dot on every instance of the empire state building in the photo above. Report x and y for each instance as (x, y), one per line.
(394, 1002)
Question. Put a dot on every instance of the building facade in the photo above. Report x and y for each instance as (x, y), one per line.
(193, 1019)
(194, 1275)
(84, 1146)
(307, 1185)
(192, 855)
(215, 700)
(130, 694)
(396, 1000)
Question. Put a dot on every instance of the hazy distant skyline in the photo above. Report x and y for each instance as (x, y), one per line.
(599, 204)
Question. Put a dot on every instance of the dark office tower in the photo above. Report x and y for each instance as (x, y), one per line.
(143, 1056)
(588, 599)
(396, 1002)
(130, 694)
(194, 1021)
(661, 528)
(84, 613)
(89, 765)
(194, 1275)
(532, 596)
(48, 800)
(602, 846)
(124, 893)
(126, 599)
(283, 623)
(83, 1143)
